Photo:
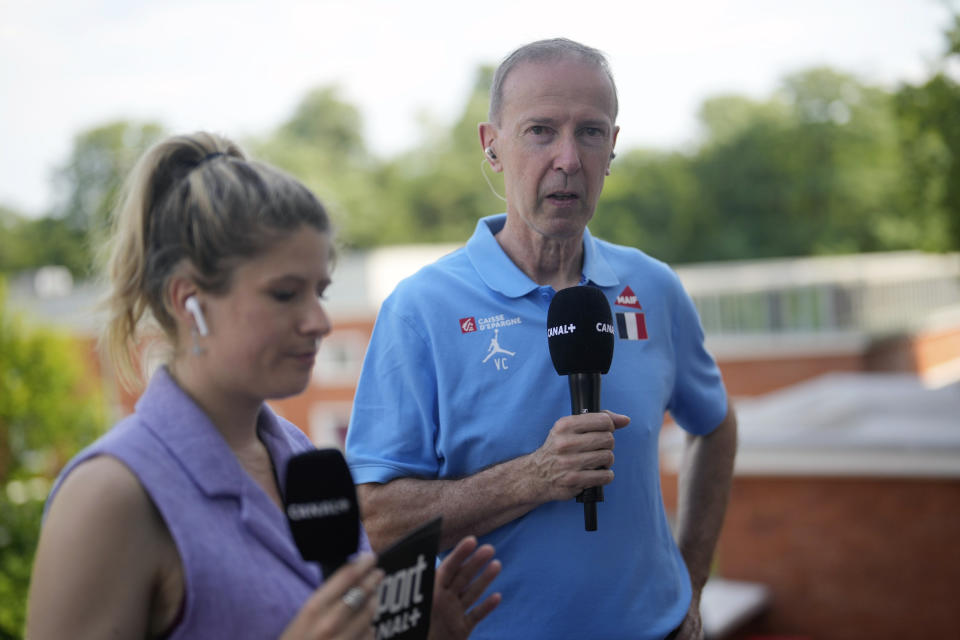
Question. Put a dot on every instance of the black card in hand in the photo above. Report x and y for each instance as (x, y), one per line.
(406, 593)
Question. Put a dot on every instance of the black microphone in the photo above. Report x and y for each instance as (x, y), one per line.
(580, 337)
(320, 501)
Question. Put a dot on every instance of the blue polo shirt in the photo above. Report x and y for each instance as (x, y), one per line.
(458, 377)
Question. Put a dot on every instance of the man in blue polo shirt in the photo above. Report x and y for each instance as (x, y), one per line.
(460, 413)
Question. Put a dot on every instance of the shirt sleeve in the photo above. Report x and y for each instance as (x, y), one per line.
(393, 426)
(699, 400)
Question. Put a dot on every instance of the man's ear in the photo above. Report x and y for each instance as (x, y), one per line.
(488, 136)
(616, 131)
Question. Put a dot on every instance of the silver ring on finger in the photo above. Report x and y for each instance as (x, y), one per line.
(355, 598)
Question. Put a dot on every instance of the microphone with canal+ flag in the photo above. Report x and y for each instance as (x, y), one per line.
(580, 336)
(321, 505)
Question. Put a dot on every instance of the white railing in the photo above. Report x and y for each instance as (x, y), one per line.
(871, 293)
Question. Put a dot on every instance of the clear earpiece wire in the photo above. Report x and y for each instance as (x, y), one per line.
(487, 178)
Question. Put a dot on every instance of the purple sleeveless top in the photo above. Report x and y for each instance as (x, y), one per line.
(244, 577)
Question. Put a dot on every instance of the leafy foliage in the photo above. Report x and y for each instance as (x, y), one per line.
(434, 193)
(930, 145)
(29, 243)
(89, 184)
(91, 178)
(48, 410)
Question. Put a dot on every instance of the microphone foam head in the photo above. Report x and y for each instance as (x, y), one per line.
(320, 501)
(580, 331)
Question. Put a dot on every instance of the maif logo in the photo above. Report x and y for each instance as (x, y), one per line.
(468, 325)
(628, 298)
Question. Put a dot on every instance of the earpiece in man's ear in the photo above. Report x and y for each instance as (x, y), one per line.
(193, 307)
(490, 153)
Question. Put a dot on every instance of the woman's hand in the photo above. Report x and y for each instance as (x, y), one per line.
(462, 578)
(343, 607)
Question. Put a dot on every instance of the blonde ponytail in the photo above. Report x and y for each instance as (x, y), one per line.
(193, 198)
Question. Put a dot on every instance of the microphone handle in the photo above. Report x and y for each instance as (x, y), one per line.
(329, 568)
(585, 398)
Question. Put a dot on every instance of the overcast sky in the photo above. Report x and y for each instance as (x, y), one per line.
(239, 67)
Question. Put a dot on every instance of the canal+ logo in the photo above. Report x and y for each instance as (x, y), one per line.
(628, 298)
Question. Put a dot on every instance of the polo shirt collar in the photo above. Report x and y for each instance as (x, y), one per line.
(500, 274)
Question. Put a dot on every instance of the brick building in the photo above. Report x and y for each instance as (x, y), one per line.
(844, 510)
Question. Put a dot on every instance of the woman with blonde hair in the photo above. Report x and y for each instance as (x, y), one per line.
(171, 524)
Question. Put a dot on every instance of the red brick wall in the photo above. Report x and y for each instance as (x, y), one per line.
(892, 354)
(297, 409)
(934, 348)
(917, 353)
(750, 377)
(847, 558)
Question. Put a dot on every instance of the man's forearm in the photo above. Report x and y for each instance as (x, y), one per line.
(473, 505)
(704, 489)
(577, 454)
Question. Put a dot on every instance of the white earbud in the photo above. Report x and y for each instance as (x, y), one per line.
(193, 307)
(490, 153)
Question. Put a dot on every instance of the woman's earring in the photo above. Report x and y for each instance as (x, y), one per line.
(200, 328)
(197, 348)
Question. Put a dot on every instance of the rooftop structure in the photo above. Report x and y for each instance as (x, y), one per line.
(848, 424)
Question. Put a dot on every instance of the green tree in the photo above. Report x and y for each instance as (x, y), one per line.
(651, 200)
(438, 190)
(846, 143)
(929, 118)
(88, 184)
(87, 187)
(434, 193)
(11, 248)
(322, 144)
(323, 119)
(815, 169)
(29, 243)
(48, 410)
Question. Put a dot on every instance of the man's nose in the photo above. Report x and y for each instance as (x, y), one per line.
(567, 158)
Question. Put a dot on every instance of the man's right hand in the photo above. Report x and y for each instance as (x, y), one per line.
(577, 454)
